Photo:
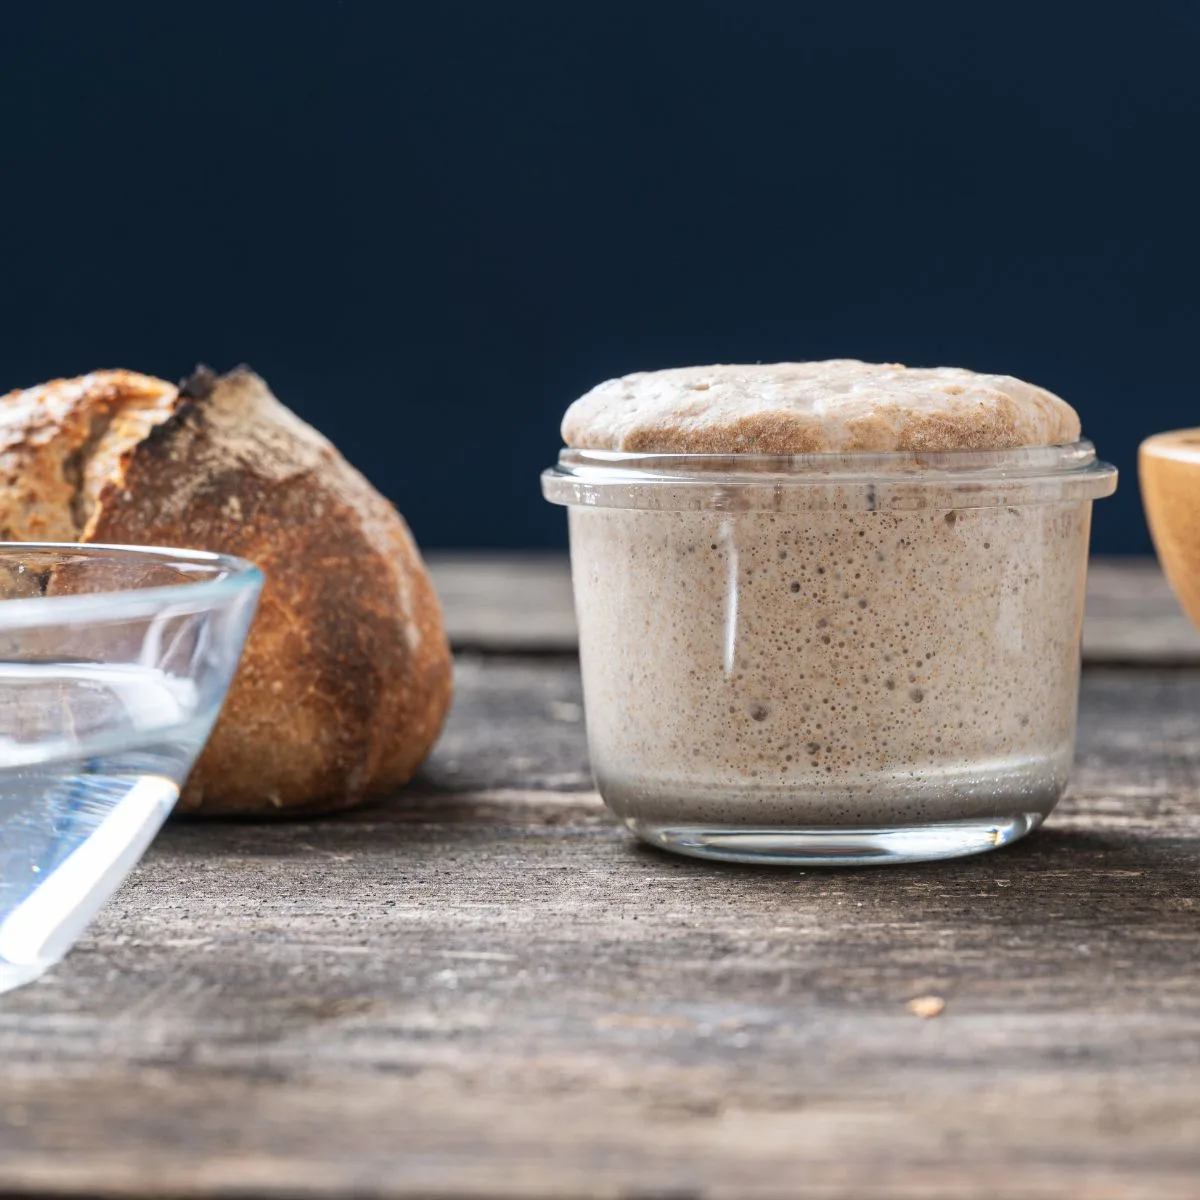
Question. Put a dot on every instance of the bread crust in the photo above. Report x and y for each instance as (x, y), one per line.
(836, 406)
(346, 676)
(59, 441)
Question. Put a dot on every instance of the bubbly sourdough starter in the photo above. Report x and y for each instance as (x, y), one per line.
(830, 669)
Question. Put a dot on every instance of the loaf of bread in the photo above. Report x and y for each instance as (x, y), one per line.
(346, 675)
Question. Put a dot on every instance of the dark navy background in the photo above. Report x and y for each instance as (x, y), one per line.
(430, 226)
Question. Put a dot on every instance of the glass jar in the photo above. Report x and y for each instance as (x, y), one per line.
(830, 658)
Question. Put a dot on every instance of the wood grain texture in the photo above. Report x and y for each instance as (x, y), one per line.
(1134, 619)
(522, 603)
(506, 602)
(484, 987)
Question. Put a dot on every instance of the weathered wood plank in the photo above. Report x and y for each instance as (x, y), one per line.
(506, 602)
(1133, 617)
(484, 987)
(511, 603)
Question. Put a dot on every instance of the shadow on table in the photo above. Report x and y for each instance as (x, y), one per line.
(1064, 864)
(1062, 870)
(1049, 849)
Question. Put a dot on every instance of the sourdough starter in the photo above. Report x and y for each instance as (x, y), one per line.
(830, 669)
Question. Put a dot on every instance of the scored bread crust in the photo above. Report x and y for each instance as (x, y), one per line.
(346, 676)
(836, 406)
(59, 443)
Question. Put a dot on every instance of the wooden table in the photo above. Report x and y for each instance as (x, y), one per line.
(483, 987)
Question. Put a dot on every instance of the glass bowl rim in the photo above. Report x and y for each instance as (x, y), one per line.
(191, 595)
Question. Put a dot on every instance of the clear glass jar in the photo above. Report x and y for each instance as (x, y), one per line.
(831, 658)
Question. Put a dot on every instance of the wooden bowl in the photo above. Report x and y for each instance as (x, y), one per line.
(1169, 474)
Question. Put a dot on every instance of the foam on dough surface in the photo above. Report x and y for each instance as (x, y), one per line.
(840, 405)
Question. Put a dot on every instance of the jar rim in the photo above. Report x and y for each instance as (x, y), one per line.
(852, 480)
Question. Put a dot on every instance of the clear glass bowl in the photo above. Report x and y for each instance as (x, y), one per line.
(114, 663)
(830, 658)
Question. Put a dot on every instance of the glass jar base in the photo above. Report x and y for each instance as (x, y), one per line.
(828, 847)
